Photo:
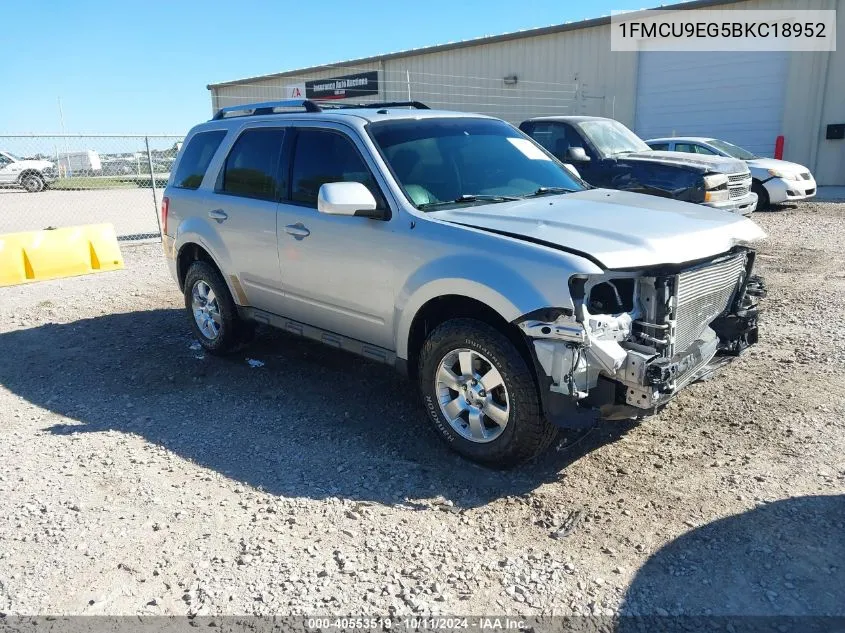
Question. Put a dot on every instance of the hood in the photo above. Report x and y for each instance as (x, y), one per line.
(774, 163)
(719, 164)
(32, 164)
(619, 229)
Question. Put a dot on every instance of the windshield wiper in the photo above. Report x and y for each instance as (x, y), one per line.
(470, 197)
(543, 191)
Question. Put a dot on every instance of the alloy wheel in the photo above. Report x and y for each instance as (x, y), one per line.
(206, 310)
(472, 395)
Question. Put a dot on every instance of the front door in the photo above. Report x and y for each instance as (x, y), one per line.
(336, 270)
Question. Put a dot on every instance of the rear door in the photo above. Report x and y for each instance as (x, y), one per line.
(242, 209)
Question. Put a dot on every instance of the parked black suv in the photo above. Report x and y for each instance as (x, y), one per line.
(608, 154)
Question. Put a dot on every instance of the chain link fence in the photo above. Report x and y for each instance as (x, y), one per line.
(66, 180)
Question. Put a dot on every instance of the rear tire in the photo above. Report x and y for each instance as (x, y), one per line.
(471, 373)
(33, 183)
(762, 195)
(212, 312)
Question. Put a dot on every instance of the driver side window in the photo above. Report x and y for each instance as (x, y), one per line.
(4, 161)
(557, 138)
(323, 156)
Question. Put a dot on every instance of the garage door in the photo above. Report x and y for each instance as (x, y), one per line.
(736, 96)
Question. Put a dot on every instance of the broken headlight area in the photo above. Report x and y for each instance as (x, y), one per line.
(634, 339)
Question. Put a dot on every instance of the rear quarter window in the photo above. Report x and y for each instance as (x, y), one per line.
(196, 158)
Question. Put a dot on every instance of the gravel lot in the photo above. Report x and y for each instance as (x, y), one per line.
(139, 477)
(130, 210)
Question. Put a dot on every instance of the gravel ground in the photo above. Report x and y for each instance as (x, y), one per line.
(140, 477)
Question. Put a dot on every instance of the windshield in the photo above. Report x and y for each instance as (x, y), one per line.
(732, 150)
(464, 161)
(12, 156)
(611, 137)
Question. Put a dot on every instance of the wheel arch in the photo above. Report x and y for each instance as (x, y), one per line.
(30, 171)
(442, 308)
(195, 250)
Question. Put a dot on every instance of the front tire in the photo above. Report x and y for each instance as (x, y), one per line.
(212, 312)
(33, 183)
(762, 195)
(481, 395)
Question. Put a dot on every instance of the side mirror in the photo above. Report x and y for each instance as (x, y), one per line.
(347, 198)
(577, 155)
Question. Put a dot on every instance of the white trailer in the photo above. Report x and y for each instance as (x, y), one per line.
(79, 163)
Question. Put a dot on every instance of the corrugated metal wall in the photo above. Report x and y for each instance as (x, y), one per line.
(575, 72)
(564, 73)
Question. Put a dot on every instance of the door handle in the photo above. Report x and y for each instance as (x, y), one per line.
(218, 214)
(298, 230)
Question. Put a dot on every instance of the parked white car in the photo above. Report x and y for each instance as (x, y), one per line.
(774, 181)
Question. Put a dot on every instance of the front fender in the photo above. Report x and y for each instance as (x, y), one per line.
(503, 289)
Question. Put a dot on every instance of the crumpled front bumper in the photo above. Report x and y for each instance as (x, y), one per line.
(744, 205)
(585, 382)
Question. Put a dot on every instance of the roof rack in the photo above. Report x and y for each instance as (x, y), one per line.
(266, 107)
(417, 105)
(269, 107)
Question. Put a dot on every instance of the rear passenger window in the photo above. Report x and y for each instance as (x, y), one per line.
(252, 166)
(196, 158)
(660, 147)
(321, 157)
(684, 147)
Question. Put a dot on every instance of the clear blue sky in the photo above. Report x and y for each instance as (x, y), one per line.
(143, 67)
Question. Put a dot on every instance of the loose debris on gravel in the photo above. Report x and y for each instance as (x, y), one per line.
(142, 477)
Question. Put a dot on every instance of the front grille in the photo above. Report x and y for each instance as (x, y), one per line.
(739, 185)
(702, 295)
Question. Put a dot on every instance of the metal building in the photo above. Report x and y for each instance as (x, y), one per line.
(749, 98)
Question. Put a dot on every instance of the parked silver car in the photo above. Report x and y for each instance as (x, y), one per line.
(774, 181)
(457, 249)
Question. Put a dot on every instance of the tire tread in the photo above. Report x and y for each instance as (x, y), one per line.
(532, 433)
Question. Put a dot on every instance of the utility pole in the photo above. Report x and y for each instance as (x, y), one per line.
(67, 153)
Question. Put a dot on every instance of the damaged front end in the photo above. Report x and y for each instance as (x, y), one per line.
(636, 338)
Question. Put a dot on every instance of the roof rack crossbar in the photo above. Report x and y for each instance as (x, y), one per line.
(267, 107)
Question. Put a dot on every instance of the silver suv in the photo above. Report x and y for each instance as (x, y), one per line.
(451, 245)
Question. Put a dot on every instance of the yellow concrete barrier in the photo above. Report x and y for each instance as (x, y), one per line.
(55, 253)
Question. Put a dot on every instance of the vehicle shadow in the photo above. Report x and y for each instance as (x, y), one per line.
(311, 422)
(784, 560)
(779, 207)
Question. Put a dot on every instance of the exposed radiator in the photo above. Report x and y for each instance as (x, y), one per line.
(702, 295)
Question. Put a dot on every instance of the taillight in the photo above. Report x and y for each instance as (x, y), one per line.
(165, 206)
